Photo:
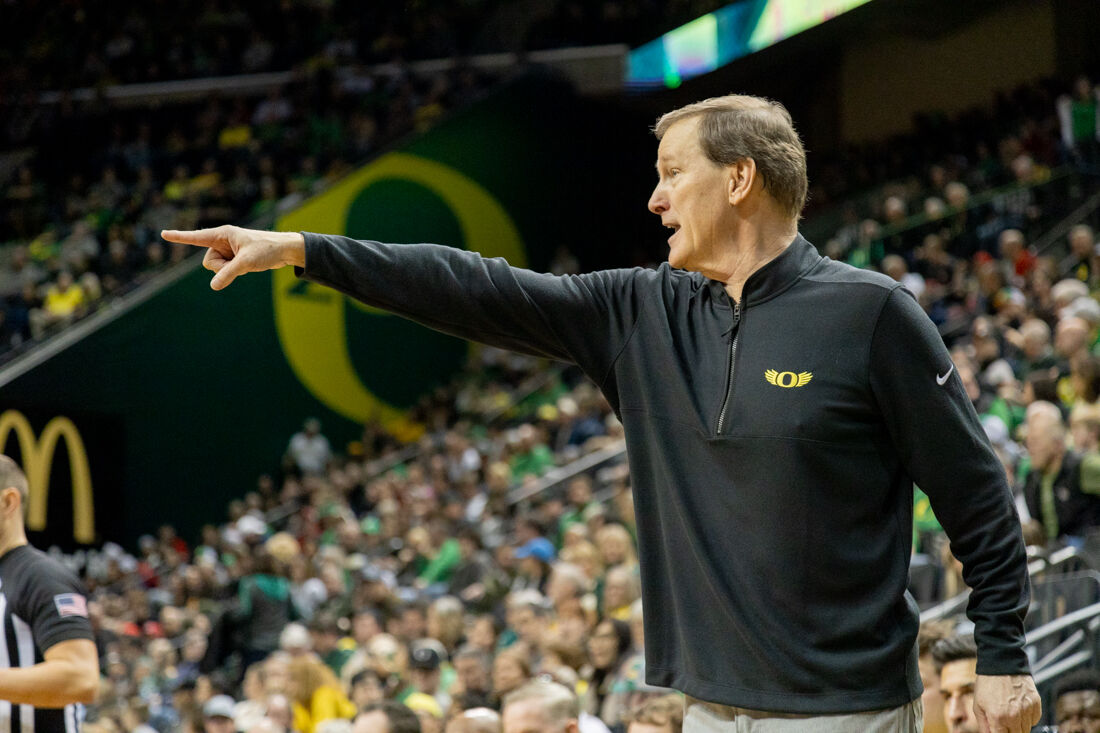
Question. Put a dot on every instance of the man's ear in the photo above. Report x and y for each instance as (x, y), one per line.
(742, 176)
(11, 501)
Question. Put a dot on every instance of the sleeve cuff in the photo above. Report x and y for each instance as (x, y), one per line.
(310, 240)
(1010, 661)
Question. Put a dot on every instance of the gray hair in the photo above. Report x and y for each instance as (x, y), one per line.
(1066, 291)
(478, 720)
(1049, 414)
(1086, 309)
(559, 704)
(573, 573)
(738, 126)
(447, 606)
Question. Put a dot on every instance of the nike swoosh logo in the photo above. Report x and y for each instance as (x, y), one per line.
(943, 380)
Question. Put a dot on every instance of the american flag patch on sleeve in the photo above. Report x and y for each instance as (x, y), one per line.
(71, 604)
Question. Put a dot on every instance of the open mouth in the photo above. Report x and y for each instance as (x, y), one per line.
(675, 229)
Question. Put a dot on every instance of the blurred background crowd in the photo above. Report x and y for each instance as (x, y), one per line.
(447, 573)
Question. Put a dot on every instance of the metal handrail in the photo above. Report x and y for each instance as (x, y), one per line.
(1036, 569)
(1051, 672)
(561, 474)
(977, 200)
(1070, 619)
(563, 59)
(1061, 229)
(946, 608)
(526, 388)
(1072, 642)
(410, 453)
(1055, 560)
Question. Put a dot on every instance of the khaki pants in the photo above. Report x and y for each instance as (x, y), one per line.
(708, 717)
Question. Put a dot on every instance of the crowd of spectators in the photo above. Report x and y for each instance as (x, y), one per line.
(84, 213)
(346, 579)
(1051, 120)
(957, 183)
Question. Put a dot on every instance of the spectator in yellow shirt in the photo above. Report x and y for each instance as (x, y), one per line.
(65, 297)
(316, 693)
(65, 300)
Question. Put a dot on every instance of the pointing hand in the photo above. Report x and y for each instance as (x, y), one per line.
(233, 251)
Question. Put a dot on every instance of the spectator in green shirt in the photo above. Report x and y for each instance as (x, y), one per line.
(532, 456)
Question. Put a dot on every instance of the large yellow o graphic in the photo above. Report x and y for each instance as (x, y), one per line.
(786, 379)
(311, 324)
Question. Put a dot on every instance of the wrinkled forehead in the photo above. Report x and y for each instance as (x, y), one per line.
(680, 139)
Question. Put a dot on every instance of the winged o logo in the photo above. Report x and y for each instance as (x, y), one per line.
(788, 379)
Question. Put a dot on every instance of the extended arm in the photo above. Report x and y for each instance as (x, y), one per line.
(581, 318)
(70, 673)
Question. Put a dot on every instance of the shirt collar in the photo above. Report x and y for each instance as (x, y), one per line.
(776, 276)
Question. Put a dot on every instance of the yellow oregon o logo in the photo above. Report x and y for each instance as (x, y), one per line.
(37, 460)
(311, 323)
(787, 379)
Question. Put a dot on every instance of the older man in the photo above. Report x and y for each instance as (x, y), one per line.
(1071, 337)
(541, 707)
(475, 720)
(1079, 264)
(778, 407)
(1063, 489)
(389, 716)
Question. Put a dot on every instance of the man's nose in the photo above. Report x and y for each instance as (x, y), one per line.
(658, 202)
(955, 710)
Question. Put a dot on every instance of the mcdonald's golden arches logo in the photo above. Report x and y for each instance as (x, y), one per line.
(38, 456)
(788, 379)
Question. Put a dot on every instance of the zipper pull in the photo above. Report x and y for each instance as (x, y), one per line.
(736, 313)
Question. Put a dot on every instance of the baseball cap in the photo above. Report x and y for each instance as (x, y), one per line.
(424, 657)
(539, 548)
(219, 706)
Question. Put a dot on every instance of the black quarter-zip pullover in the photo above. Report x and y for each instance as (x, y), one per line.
(773, 446)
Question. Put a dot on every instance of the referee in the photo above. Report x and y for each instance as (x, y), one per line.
(48, 661)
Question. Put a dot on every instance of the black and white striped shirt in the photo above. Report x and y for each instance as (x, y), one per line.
(41, 604)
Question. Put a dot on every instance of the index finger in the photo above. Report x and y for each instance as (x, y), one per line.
(197, 237)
